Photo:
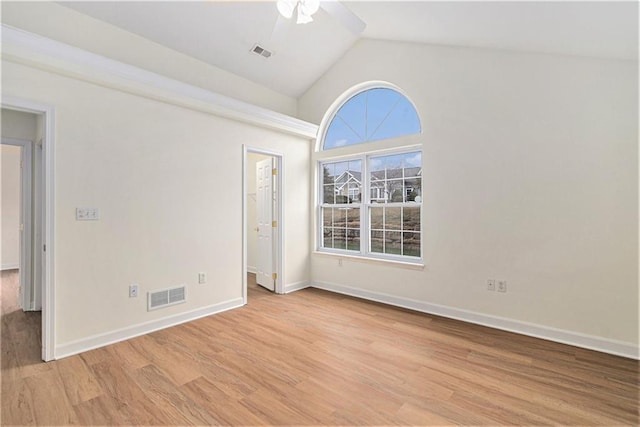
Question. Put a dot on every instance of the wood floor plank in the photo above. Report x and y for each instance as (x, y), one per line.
(79, 382)
(166, 396)
(169, 362)
(313, 358)
(228, 410)
(17, 404)
(132, 401)
(49, 400)
(103, 410)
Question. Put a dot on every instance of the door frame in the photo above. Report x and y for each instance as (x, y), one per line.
(25, 263)
(278, 237)
(48, 219)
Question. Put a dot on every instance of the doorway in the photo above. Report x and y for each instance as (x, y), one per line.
(262, 223)
(29, 126)
(17, 213)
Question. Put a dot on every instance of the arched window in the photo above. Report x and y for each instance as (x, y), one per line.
(370, 176)
(371, 115)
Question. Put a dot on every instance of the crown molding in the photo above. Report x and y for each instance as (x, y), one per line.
(40, 52)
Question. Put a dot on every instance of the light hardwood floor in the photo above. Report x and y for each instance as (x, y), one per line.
(313, 358)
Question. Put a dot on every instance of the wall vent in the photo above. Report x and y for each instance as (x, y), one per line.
(166, 297)
(259, 50)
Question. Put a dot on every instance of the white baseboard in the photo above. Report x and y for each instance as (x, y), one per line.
(9, 267)
(292, 287)
(251, 269)
(618, 348)
(101, 340)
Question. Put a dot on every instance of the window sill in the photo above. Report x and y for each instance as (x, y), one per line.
(368, 260)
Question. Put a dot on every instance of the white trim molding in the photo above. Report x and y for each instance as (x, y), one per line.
(251, 269)
(591, 342)
(101, 340)
(296, 286)
(30, 49)
(9, 267)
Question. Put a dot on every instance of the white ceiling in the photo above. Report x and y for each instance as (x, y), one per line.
(222, 33)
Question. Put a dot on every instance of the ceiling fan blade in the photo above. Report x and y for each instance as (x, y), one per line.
(349, 20)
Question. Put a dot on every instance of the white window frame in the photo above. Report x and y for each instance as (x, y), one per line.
(363, 151)
(402, 145)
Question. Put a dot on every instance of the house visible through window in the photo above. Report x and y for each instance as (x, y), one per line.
(370, 203)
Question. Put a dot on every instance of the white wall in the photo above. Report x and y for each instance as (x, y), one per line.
(530, 175)
(252, 214)
(168, 184)
(18, 125)
(10, 206)
(76, 29)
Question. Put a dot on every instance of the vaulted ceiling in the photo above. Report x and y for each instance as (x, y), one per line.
(222, 33)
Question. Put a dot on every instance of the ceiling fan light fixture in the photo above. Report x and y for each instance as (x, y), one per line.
(306, 8)
(286, 7)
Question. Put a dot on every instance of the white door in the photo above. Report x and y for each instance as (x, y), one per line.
(264, 198)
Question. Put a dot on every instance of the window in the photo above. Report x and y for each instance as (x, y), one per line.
(372, 115)
(370, 203)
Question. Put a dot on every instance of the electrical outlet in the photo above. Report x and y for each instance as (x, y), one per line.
(202, 278)
(133, 291)
(502, 286)
(87, 214)
(491, 284)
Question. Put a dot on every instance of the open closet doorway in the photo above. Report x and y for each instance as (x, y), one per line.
(262, 221)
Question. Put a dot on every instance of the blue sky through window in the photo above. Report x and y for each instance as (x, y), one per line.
(371, 115)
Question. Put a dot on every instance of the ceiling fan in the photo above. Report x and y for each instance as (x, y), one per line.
(305, 9)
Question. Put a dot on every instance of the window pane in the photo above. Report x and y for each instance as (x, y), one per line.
(376, 218)
(402, 120)
(396, 188)
(413, 188)
(380, 104)
(328, 194)
(411, 218)
(353, 217)
(328, 173)
(353, 114)
(341, 228)
(339, 238)
(412, 162)
(327, 240)
(392, 218)
(353, 229)
(392, 242)
(327, 217)
(371, 115)
(339, 218)
(353, 239)
(379, 165)
(339, 134)
(342, 182)
(396, 178)
(411, 244)
(377, 241)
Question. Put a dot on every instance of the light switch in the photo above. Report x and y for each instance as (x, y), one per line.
(87, 214)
